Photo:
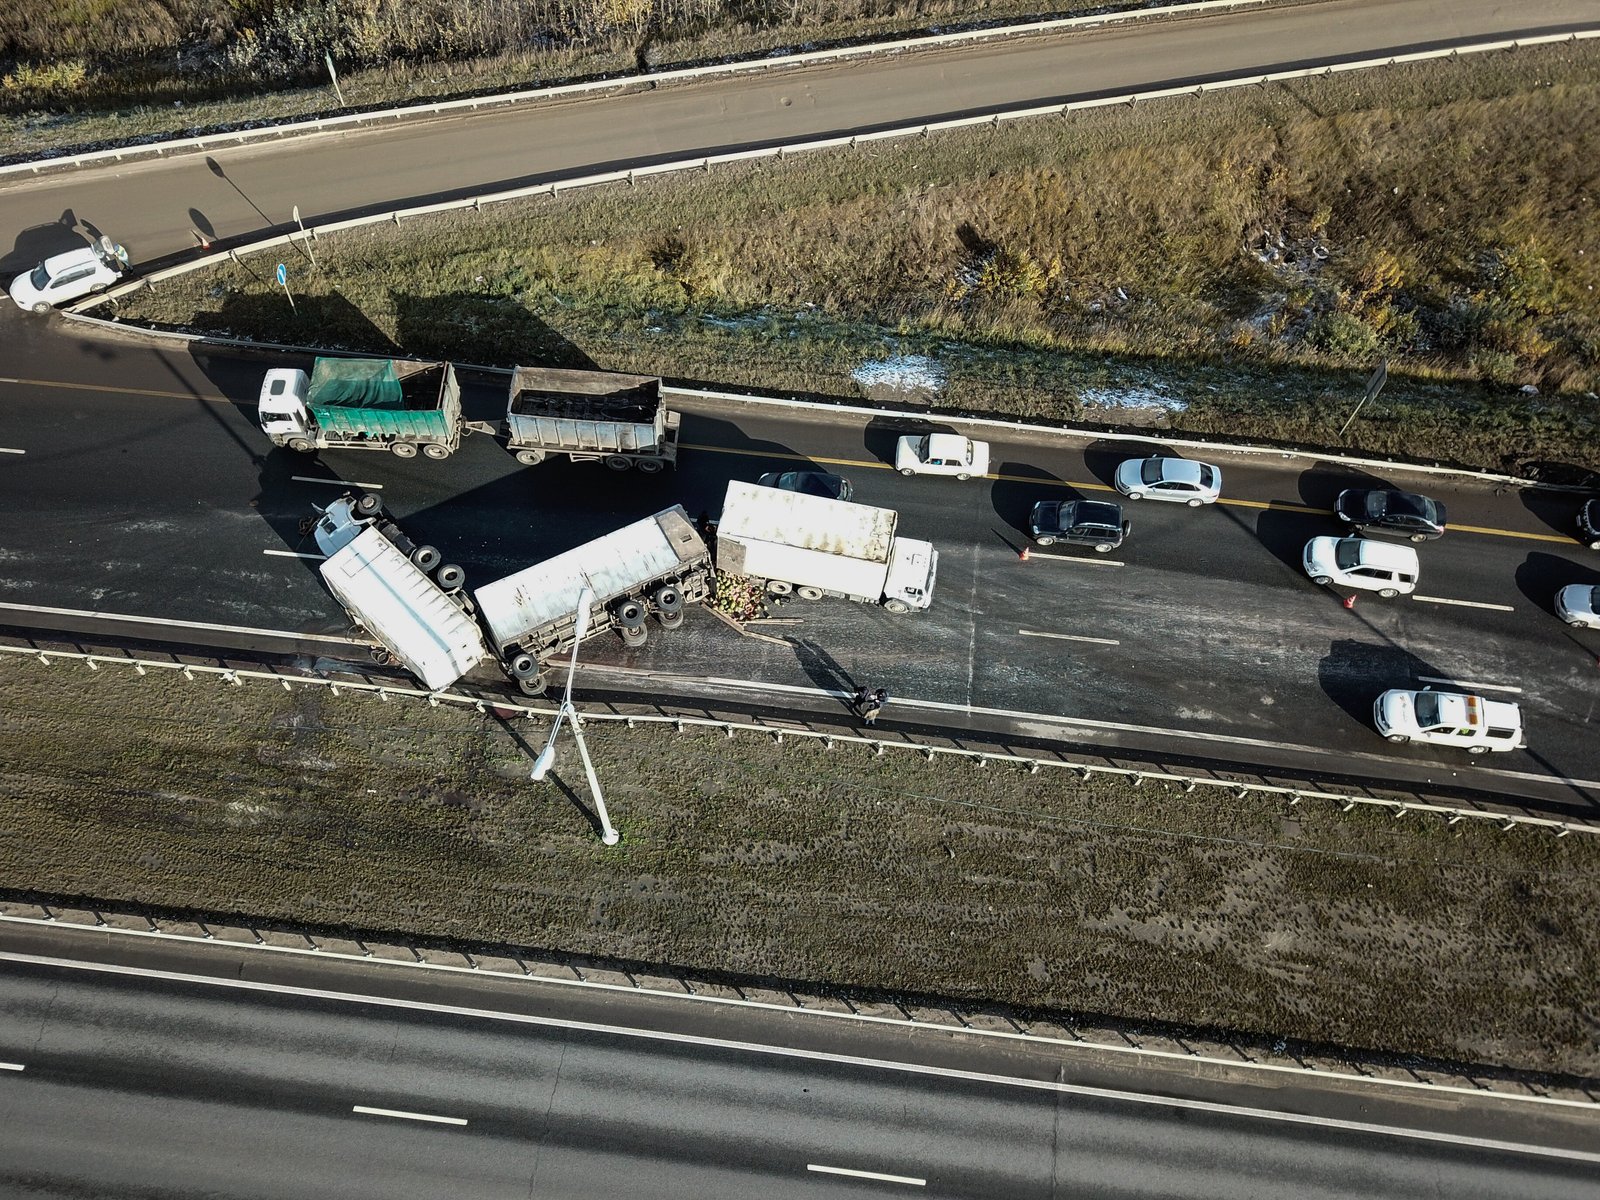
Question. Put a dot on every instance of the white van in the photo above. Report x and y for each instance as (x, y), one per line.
(1353, 562)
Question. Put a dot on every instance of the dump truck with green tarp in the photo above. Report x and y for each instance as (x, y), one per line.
(364, 404)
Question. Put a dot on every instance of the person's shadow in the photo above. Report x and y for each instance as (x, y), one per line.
(823, 670)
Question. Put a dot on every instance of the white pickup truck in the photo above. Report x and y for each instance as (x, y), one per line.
(941, 454)
(1448, 719)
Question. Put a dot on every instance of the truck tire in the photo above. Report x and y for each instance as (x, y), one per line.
(668, 600)
(634, 636)
(381, 656)
(368, 505)
(670, 620)
(809, 593)
(533, 687)
(650, 466)
(425, 558)
(530, 458)
(301, 446)
(618, 462)
(896, 606)
(630, 614)
(450, 577)
(403, 450)
(434, 450)
(779, 587)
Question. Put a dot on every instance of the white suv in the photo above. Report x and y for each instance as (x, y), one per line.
(1354, 562)
(67, 276)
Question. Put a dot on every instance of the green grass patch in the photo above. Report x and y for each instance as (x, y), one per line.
(1248, 256)
(798, 862)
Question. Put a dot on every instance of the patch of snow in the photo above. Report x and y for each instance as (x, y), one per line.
(907, 372)
(1134, 397)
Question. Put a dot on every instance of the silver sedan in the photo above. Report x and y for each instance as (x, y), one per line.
(1180, 480)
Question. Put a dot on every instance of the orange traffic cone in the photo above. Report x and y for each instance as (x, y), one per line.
(1023, 554)
(1350, 600)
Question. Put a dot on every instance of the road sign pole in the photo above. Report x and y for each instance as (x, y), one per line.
(305, 241)
(283, 280)
(1375, 384)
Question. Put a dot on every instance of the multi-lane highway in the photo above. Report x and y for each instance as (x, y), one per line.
(156, 496)
(230, 1073)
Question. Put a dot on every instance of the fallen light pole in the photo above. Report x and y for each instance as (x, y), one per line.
(547, 756)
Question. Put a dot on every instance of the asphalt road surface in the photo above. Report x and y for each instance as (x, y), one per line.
(142, 1084)
(144, 488)
(155, 207)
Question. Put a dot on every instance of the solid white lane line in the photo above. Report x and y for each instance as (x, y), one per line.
(111, 616)
(11, 1067)
(372, 487)
(881, 1178)
(1069, 637)
(1045, 1085)
(1477, 687)
(407, 1116)
(1085, 562)
(294, 554)
(1464, 603)
(9, 450)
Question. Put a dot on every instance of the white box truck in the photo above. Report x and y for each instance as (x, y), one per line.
(811, 547)
(656, 565)
(398, 592)
(590, 416)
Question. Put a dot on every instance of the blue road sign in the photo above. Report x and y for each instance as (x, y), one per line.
(283, 275)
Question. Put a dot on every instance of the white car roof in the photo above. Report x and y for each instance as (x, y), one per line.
(58, 263)
(1181, 470)
(1387, 555)
(946, 445)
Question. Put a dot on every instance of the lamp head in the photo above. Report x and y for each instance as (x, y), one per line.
(542, 764)
(585, 603)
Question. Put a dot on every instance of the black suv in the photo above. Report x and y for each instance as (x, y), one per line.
(1589, 524)
(1404, 514)
(1081, 522)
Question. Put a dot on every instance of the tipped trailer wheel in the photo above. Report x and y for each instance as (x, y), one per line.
(530, 458)
(668, 600)
(426, 558)
(403, 450)
(779, 587)
(532, 687)
(619, 462)
(634, 636)
(450, 577)
(381, 656)
(809, 593)
(670, 620)
(368, 505)
(434, 450)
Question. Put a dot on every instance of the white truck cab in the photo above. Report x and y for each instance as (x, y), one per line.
(281, 407)
(913, 566)
(941, 454)
(1448, 719)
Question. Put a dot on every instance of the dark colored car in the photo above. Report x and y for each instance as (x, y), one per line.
(1589, 524)
(1404, 514)
(810, 483)
(1080, 522)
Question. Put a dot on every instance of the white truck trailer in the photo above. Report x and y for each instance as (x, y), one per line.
(365, 404)
(398, 592)
(590, 416)
(811, 547)
(656, 565)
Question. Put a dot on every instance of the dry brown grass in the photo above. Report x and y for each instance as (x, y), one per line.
(801, 863)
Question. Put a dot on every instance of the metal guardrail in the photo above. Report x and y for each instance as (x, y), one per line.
(1188, 782)
(472, 104)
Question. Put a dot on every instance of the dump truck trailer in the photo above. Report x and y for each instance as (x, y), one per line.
(810, 546)
(399, 592)
(364, 404)
(590, 416)
(654, 566)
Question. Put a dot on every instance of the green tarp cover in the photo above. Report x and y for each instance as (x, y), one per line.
(356, 383)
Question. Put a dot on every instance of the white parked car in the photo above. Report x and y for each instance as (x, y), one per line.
(1176, 479)
(1578, 605)
(1448, 719)
(941, 454)
(67, 276)
(1354, 562)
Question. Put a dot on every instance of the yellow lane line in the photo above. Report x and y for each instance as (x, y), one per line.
(1272, 505)
(123, 391)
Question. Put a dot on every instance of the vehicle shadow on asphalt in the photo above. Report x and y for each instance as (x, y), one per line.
(1353, 674)
(882, 434)
(1021, 486)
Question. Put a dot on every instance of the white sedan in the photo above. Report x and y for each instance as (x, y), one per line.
(1177, 479)
(68, 276)
(1578, 605)
(941, 454)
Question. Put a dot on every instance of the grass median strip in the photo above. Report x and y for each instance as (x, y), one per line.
(801, 862)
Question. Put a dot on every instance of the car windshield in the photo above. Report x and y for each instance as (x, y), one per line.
(1208, 477)
(39, 277)
(1151, 471)
(1427, 709)
(1594, 600)
(1347, 553)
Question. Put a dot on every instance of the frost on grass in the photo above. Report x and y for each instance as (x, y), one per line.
(1133, 398)
(903, 377)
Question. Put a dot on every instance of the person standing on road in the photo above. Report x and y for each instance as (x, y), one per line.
(874, 705)
(859, 700)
